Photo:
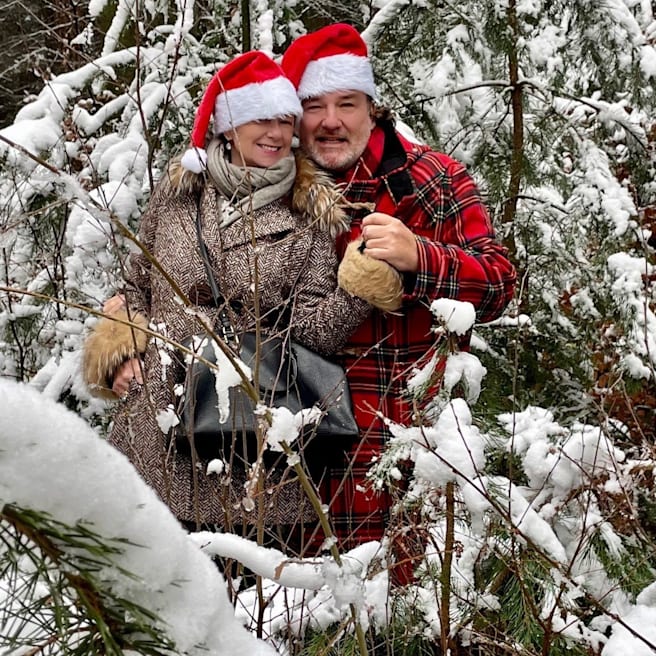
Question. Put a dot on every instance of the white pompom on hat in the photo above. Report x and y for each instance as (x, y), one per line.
(333, 58)
(252, 87)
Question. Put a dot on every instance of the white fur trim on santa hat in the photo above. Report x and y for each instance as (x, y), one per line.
(257, 101)
(344, 72)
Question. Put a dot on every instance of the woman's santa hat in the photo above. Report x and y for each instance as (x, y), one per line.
(252, 87)
(333, 58)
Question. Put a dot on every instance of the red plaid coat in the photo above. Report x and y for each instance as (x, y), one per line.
(459, 258)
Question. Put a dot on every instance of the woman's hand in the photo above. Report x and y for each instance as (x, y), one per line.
(114, 304)
(125, 373)
(130, 369)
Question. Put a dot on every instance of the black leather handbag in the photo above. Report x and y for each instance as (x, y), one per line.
(289, 375)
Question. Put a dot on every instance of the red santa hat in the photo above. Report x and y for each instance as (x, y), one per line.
(252, 87)
(333, 58)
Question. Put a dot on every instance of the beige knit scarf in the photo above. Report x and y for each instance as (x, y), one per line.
(247, 188)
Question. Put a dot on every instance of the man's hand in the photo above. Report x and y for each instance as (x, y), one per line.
(386, 238)
(124, 374)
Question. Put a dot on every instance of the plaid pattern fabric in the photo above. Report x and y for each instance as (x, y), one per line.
(459, 258)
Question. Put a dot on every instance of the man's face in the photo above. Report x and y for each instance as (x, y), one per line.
(335, 128)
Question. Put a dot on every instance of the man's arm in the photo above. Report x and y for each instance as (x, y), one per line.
(461, 259)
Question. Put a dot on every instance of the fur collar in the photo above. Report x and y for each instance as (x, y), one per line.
(314, 194)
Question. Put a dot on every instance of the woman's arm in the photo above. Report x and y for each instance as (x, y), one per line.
(112, 352)
(323, 316)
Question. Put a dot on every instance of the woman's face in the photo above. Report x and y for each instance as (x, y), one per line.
(261, 143)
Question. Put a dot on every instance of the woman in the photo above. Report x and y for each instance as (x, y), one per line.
(269, 227)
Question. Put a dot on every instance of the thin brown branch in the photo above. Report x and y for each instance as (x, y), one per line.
(516, 99)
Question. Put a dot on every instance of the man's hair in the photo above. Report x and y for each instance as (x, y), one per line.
(382, 113)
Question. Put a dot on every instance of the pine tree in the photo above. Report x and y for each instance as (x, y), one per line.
(54, 598)
(549, 105)
(84, 156)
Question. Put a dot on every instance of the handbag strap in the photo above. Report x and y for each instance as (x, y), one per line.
(227, 329)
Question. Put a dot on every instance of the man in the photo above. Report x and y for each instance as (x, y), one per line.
(428, 223)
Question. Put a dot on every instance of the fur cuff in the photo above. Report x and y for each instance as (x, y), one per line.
(373, 280)
(109, 345)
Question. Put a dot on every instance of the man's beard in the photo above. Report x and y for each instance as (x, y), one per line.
(336, 162)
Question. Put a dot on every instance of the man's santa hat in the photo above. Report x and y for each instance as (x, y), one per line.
(333, 58)
(252, 87)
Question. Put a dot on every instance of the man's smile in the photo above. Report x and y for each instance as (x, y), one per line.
(331, 140)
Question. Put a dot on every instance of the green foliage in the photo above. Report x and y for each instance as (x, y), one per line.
(524, 585)
(585, 163)
(399, 638)
(632, 568)
(330, 642)
(501, 462)
(56, 594)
